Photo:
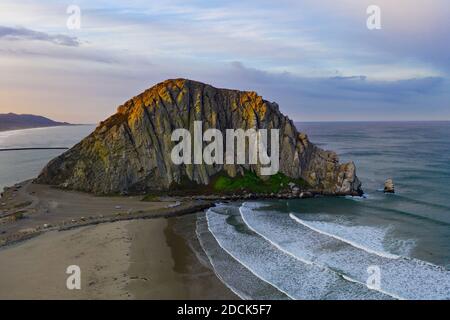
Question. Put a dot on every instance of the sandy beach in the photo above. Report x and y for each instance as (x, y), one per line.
(126, 248)
(28, 209)
(138, 259)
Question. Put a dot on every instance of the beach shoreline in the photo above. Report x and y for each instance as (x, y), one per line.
(136, 259)
(28, 210)
(126, 248)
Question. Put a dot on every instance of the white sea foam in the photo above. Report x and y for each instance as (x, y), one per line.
(234, 275)
(283, 271)
(401, 277)
(369, 239)
(365, 196)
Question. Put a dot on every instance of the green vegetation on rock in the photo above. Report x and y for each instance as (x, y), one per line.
(250, 182)
(130, 152)
(222, 184)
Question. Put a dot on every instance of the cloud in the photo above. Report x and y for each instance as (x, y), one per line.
(21, 33)
(343, 98)
(318, 61)
(411, 29)
(340, 87)
(60, 54)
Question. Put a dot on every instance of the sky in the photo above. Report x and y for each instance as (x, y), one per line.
(317, 59)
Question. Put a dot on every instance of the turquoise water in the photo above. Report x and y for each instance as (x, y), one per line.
(327, 248)
(417, 156)
(320, 248)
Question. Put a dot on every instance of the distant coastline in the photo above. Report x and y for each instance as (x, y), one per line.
(12, 121)
(57, 125)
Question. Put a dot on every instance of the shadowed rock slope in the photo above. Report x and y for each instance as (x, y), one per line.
(130, 151)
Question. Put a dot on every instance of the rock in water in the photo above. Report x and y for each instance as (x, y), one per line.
(130, 151)
(389, 186)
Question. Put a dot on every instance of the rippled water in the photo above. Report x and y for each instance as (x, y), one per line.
(321, 248)
(417, 156)
(327, 248)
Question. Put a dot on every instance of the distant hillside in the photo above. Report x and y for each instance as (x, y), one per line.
(12, 121)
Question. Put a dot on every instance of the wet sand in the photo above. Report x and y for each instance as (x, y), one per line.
(172, 271)
(138, 259)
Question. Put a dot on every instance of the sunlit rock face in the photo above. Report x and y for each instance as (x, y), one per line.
(131, 150)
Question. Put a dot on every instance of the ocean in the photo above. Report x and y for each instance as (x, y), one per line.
(321, 248)
(16, 166)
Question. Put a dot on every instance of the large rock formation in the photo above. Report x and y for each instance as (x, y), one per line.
(130, 151)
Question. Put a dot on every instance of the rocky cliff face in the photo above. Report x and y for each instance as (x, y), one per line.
(130, 151)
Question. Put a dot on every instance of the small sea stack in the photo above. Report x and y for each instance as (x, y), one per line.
(389, 186)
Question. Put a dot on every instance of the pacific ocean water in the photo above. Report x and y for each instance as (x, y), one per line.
(321, 248)
(397, 245)
(416, 155)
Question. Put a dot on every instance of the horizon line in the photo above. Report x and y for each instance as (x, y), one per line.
(309, 121)
(373, 121)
